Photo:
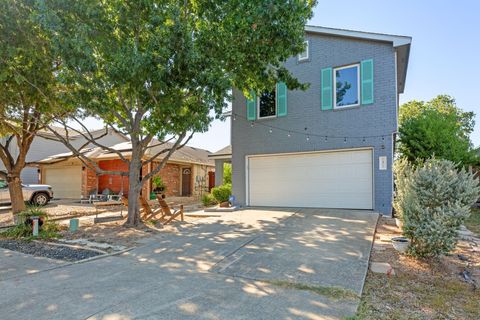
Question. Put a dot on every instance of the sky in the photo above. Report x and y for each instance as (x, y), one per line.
(444, 56)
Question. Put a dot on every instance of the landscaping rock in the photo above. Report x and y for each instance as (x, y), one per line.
(96, 245)
(382, 267)
(37, 248)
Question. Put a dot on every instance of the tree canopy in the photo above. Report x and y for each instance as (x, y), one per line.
(436, 128)
(29, 89)
(161, 68)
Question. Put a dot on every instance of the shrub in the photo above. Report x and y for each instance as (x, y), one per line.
(434, 199)
(402, 171)
(158, 184)
(222, 193)
(227, 173)
(208, 200)
(47, 229)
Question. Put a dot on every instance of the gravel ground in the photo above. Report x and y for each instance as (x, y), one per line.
(48, 251)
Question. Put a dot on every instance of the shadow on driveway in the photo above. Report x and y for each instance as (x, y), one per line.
(211, 269)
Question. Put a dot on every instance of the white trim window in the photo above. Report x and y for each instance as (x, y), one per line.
(267, 104)
(304, 55)
(346, 82)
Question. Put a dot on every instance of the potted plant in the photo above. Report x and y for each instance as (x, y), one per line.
(158, 185)
(400, 244)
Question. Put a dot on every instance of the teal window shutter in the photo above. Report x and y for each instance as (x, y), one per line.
(327, 89)
(281, 99)
(366, 73)
(252, 107)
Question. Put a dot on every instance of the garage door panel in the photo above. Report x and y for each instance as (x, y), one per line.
(331, 180)
(66, 182)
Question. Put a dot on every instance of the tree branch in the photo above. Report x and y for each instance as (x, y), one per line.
(176, 146)
(93, 165)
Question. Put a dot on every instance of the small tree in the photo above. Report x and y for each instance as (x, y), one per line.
(28, 90)
(156, 69)
(435, 200)
(436, 128)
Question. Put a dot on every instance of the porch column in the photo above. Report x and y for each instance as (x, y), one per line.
(219, 172)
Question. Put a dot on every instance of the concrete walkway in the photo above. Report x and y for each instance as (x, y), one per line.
(212, 269)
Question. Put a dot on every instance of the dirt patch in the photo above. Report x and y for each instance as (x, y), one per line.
(115, 233)
(40, 249)
(421, 289)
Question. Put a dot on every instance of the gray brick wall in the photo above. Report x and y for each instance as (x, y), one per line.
(304, 111)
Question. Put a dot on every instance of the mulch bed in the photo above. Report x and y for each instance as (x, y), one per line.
(421, 289)
(46, 250)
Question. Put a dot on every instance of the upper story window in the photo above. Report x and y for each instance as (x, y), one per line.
(267, 106)
(304, 55)
(346, 80)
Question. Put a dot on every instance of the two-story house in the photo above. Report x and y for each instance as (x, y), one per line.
(332, 145)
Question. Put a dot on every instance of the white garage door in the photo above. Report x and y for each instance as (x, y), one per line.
(66, 182)
(341, 179)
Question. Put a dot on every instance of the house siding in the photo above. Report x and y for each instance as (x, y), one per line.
(305, 115)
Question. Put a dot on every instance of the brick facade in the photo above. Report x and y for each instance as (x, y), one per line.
(89, 182)
(170, 175)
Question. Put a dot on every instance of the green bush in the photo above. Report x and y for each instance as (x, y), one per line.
(402, 171)
(434, 199)
(222, 193)
(227, 173)
(208, 200)
(47, 230)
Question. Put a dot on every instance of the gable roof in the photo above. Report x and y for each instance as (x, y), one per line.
(224, 153)
(401, 44)
(186, 154)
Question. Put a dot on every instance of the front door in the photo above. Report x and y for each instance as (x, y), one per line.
(186, 181)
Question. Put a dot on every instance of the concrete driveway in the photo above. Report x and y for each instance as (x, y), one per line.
(215, 268)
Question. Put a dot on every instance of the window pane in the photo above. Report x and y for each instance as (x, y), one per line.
(3, 184)
(304, 54)
(267, 104)
(346, 86)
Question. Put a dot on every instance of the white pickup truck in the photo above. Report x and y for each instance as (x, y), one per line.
(37, 194)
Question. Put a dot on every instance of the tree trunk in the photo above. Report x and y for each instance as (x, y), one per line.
(16, 194)
(134, 189)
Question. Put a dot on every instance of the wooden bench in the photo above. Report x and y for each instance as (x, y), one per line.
(105, 204)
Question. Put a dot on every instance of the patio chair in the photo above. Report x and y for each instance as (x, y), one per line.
(148, 212)
(92, 198)
(167, 212)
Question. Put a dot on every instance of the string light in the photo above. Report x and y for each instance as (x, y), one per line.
(307, 135)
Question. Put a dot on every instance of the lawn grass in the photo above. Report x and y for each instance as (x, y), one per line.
(473, 222)
(409, 297)
(329, 292)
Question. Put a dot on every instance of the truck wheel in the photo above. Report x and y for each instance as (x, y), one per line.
(40, 199)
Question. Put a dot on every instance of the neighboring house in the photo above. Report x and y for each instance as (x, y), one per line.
(332, 145)
(188, 172)
(43, 147)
